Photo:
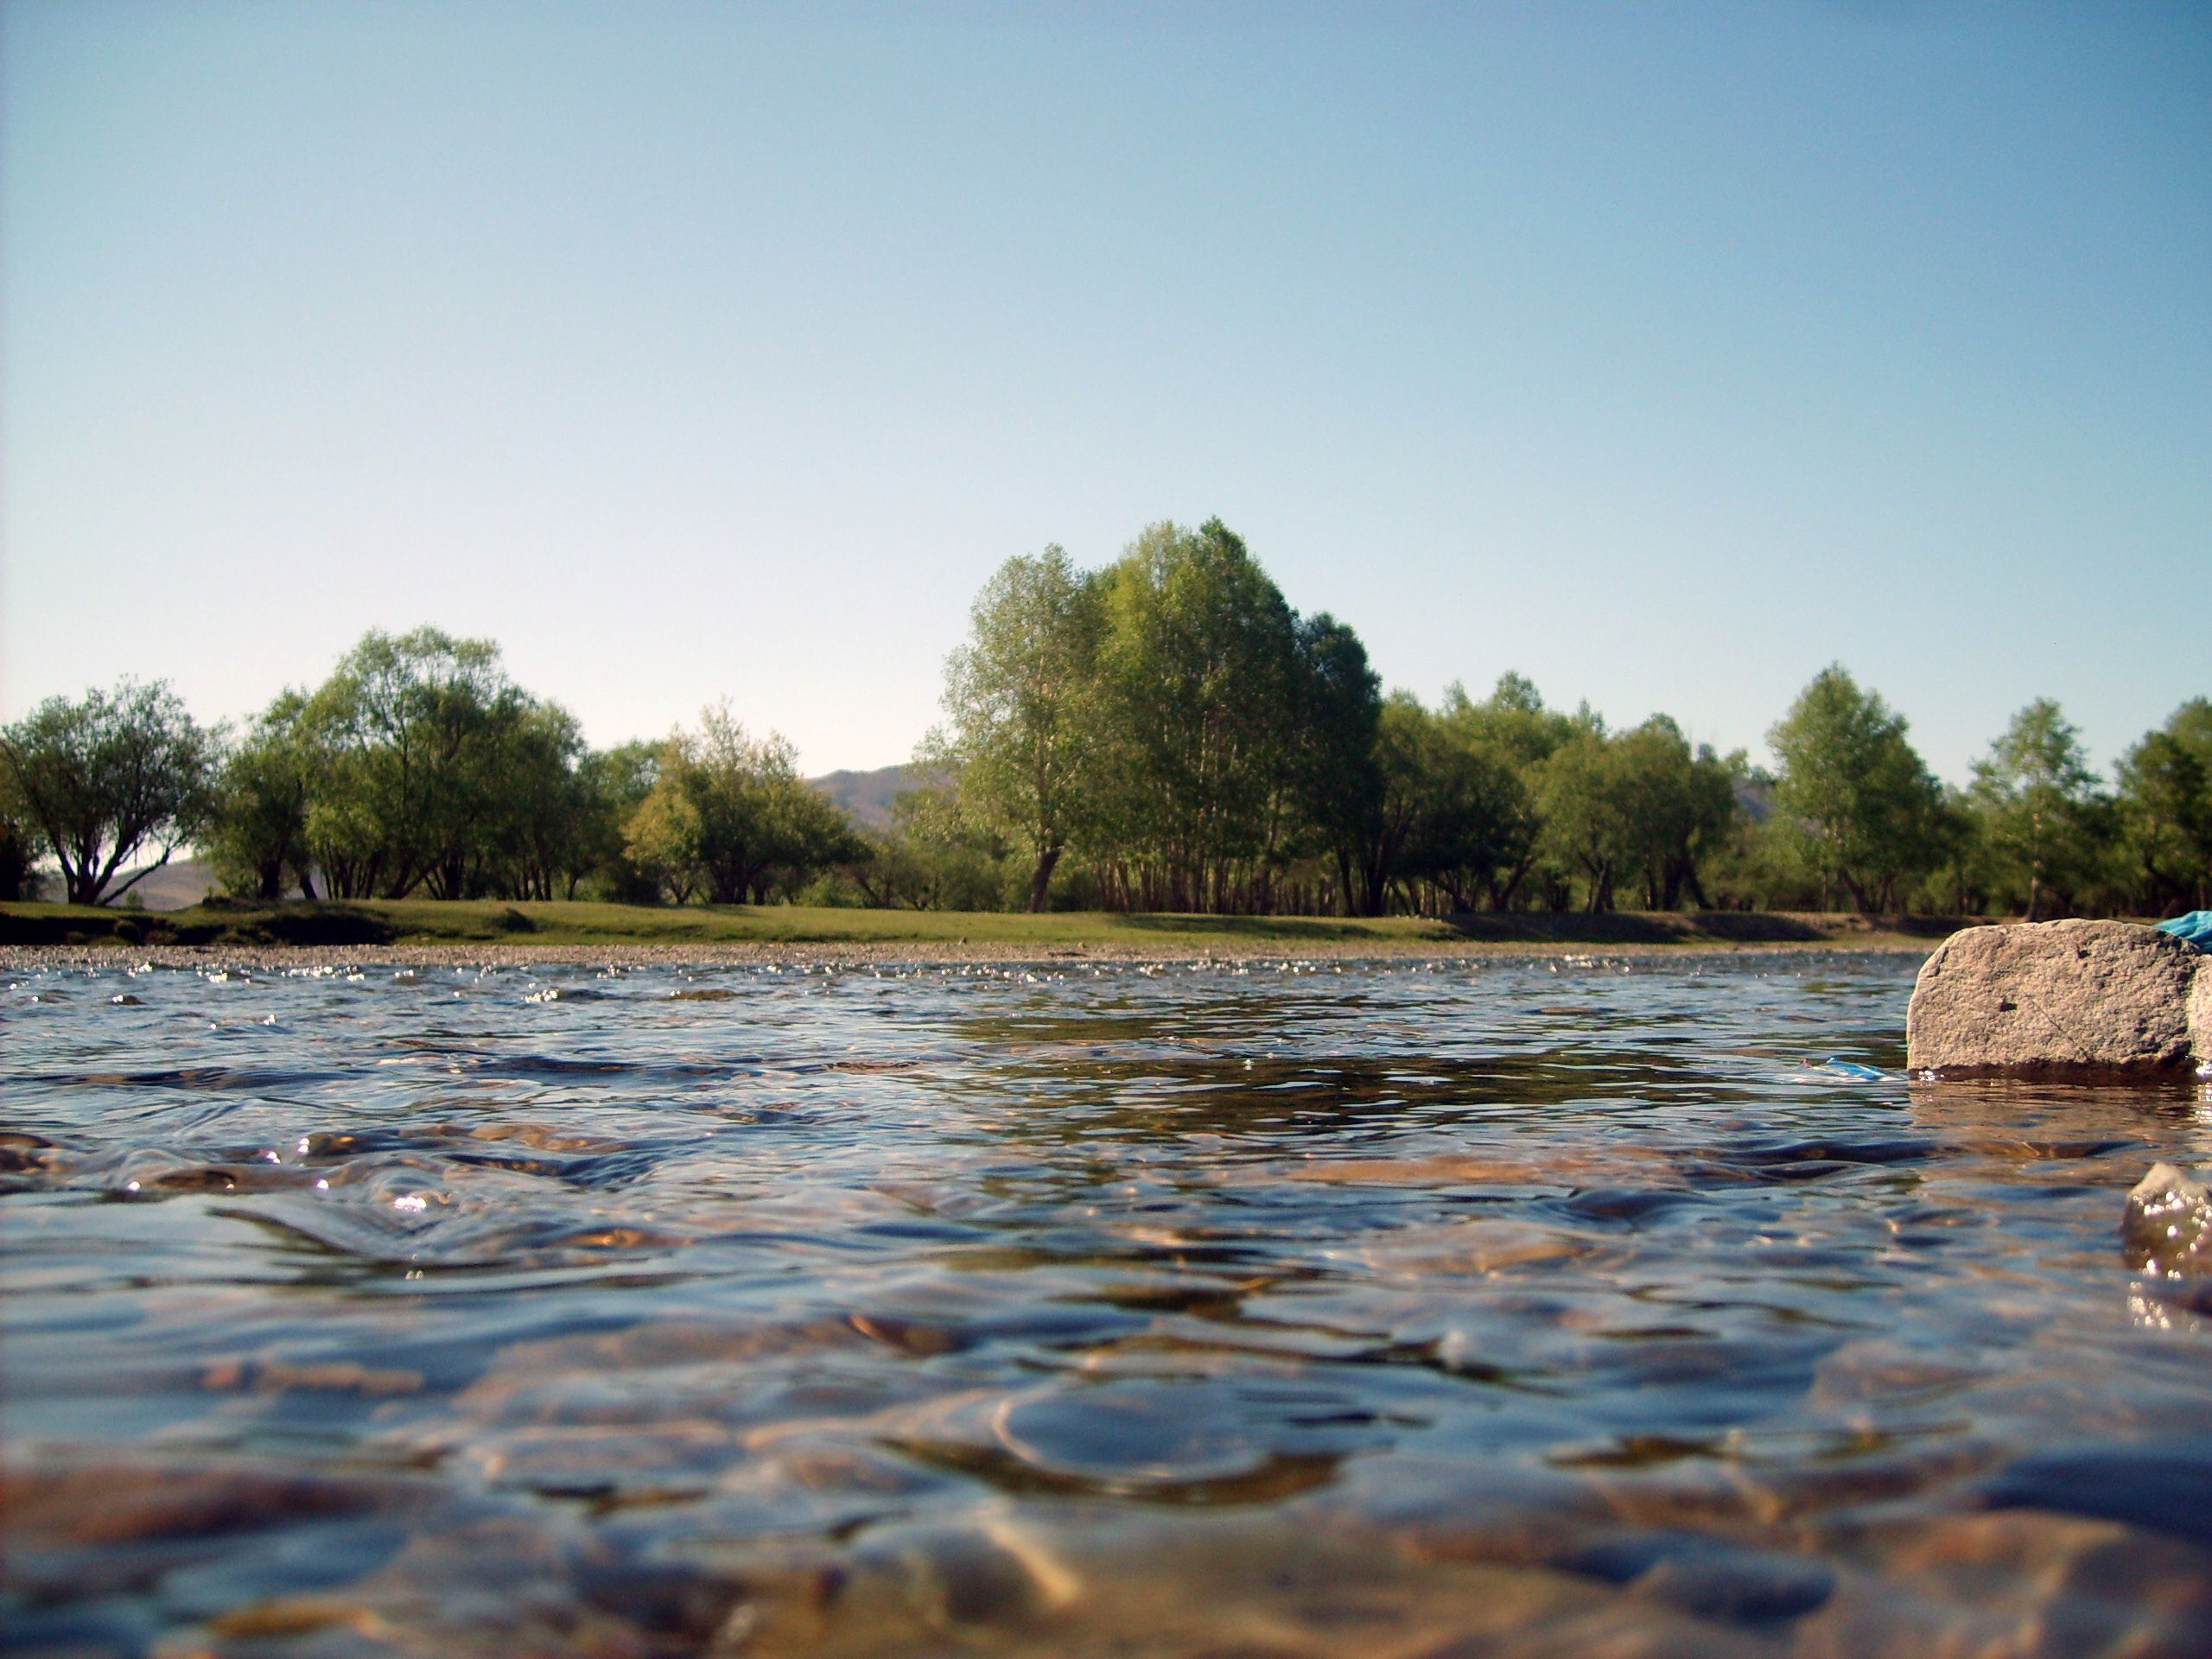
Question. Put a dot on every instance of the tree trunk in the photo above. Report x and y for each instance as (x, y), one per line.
(1688, 878)
(1504, 889)
(1040, 881)
(1374, 901)
(1601, 888)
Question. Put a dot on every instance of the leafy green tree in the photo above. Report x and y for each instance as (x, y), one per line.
(1677, 806)
(719, 780)
(258, 836)
(1337, 774)
(807, 833)
(19, 840)
(1583, 798)
(936, 856)
(1449, 814)
(1478, 831)
(1856, 803)
(410, 729)
(2042, 817)
(1199, 679)
(1019, 697)
(614, 782)
(662, 836)
(534, 837)
(1958, 883)
(898, 873)
(1514, 728)
(1639, 805)
(728, 815)
(1716, 821)
(1513, 722)
(1376, 824)
(109, 776)
(2165, 809)
(1738, 869)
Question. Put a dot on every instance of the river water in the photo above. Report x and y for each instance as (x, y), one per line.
(1467, 1307)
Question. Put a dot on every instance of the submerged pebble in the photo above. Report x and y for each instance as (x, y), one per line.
(2168, 1226)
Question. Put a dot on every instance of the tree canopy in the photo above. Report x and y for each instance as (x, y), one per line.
(1021, 701)
(104, 778)
(728, 816)
(2042, 817)
(1859, 805)
(2165, 809)
(1163, 733)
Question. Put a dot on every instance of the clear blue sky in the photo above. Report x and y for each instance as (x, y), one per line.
(1663, 352)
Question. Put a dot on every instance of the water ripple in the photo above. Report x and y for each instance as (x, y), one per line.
(1466, 1306)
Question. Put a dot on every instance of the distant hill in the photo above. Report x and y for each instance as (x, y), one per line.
(178, 885)
(866, 796)
(1756, 796)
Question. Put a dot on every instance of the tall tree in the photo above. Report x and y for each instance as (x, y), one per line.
(533, 839)
(20, 840)
(1337, 774)
(1677, 806)
(2165, 809)
(1021, 731)
(614, 781)
(1466, 817)
(936, 856)
(258, 837)
(1198, 674)
(1855, 799)
(2039, 806)
(410, 727)
(1583, 797)
(661, 835)
(728, 815)
(1515, 730)
(108, 777)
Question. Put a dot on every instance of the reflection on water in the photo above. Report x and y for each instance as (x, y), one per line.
(1264, 1309)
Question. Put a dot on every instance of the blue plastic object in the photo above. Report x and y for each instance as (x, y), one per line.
(1853, 1069)
(2196, 929)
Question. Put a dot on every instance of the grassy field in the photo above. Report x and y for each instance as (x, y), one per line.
(430, 922)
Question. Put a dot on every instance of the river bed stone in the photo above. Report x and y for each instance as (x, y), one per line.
(2086, 998)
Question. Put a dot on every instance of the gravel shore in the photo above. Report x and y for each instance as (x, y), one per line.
(29, 958)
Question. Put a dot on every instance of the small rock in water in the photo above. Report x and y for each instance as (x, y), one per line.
(2168, 1228)
(946, 1576)
(2156, 1485)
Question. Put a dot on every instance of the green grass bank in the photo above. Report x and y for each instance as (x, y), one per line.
(421, 922)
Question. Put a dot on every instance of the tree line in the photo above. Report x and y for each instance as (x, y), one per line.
(1167, 733)
(1163, 734)
(417, 770)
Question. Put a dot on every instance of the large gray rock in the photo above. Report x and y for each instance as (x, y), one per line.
(2061, 997)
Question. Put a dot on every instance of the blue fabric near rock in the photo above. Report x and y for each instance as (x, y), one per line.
(2196, 929)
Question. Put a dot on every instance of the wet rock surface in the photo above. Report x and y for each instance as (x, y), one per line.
(2086, 998)
(1392, 1309)
(2168, 1226)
